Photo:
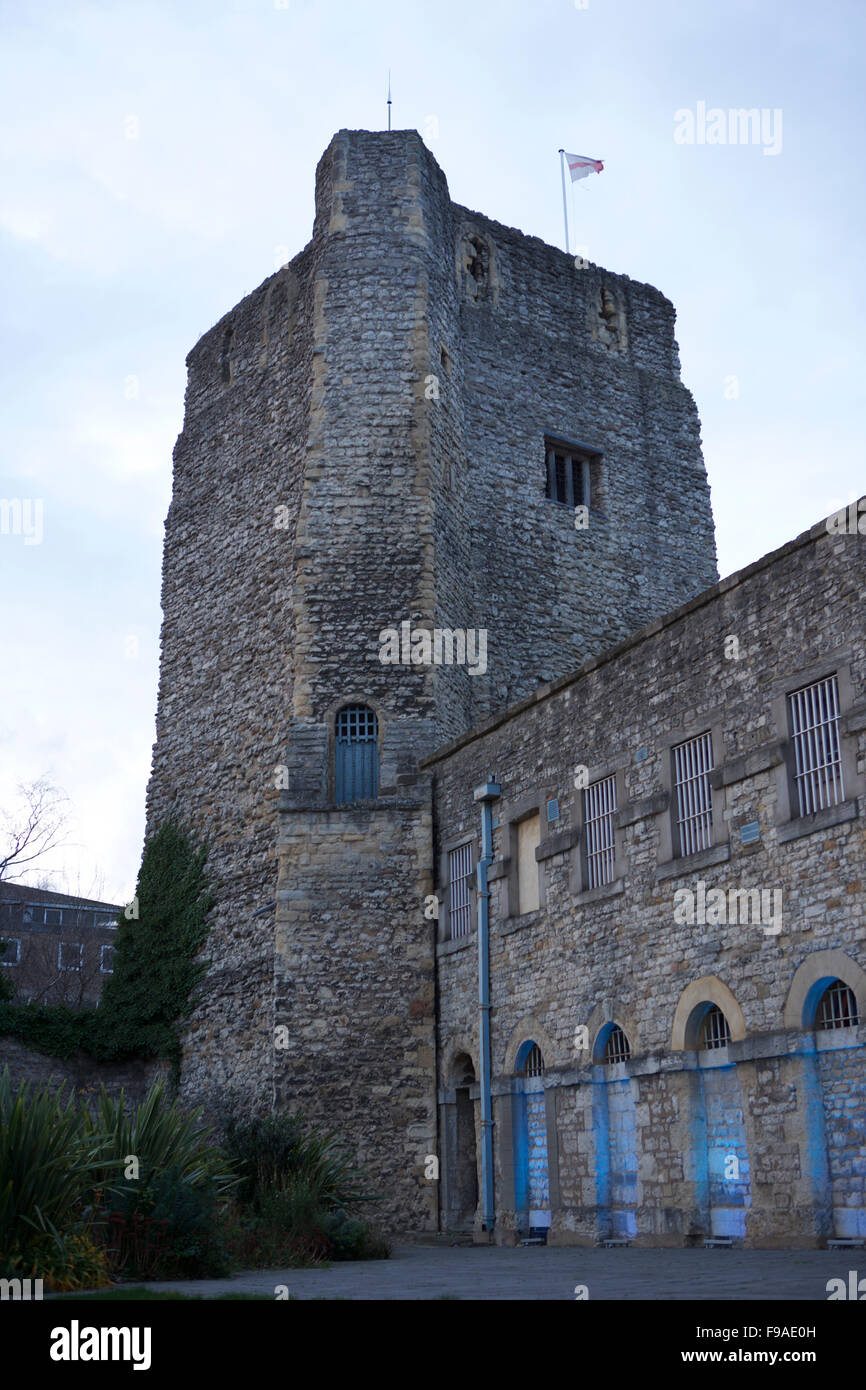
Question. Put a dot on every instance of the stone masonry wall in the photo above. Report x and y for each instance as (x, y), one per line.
(617, 954)
(364, 444)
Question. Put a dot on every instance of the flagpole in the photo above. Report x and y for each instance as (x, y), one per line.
(564, 204)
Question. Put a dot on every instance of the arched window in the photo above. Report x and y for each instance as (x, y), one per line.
(533, 1062)
(356, 754)
(616, 1049)
(837, 1007)
(714, 1029)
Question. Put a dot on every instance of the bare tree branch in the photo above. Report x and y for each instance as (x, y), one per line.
(32, 829)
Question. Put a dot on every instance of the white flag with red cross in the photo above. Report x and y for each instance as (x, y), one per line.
(579, 166)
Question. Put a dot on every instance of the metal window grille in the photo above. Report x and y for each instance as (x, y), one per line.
(714, 1030)
(814, 714)
(616, 1049)
(460, 890)
(838, 1008)
(567, 478)
(693, 762)
(534, 1064)
(560, 493)
(599, 808)
(356, 754)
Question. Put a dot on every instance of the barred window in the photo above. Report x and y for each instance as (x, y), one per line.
(599, 805)
(534, 1062)
(714, 1030)
(356, 764)
(460, 890)
(814, 717)
(616, 1049)
(568, 475)
(838, 1007)
(693, 762)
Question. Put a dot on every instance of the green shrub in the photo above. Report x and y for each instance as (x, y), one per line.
(156, 970)
(76, 1261)
(351, 1239)
(302, 1190)
(48, 1159)
(276, 1153)
(161, 1213)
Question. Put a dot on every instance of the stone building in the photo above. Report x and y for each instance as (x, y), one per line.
(428, 471)
(677, 925)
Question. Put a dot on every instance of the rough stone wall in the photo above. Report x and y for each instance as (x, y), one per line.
(364, 444)
(80, 1072)
(356, 990)
(587, 958)
(534, 358)
(226, 673)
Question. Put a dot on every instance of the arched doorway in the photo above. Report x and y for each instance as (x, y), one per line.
(725, 1157)
(464, 1189)
(615, 1126)
(531, 1172)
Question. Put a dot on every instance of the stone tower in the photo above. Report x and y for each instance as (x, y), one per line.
(425, 418)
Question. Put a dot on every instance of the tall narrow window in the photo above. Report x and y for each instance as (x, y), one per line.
(599, 803)
(693, 763)
(460, 891)
(567, 476)
(528, 840)
(814, 715)
(356, 770)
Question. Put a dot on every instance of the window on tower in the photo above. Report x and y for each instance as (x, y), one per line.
(569, 473)
(356, 754)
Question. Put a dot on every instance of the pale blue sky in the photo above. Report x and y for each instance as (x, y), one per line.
(158, 163)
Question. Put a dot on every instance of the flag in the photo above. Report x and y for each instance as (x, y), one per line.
(579, 166)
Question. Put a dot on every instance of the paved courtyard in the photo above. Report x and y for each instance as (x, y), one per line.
(483, 1272)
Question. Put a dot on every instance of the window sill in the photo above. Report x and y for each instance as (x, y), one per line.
(457, 943)
(599, 895)
(527, 919)
(821, 820)
(834, 1039)
(688, 863)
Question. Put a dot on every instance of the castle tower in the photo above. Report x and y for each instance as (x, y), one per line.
(427, 419)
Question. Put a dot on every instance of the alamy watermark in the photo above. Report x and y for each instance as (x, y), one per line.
(736, 126)
(739, 906)
(439, 646)
(22, 516)
(850, 520)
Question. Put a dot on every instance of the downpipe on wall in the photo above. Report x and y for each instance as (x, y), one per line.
(487, 793)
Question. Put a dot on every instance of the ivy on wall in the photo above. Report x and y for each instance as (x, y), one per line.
(156, 970)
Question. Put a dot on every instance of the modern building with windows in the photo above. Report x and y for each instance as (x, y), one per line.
(581, 928)
(59, 948)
